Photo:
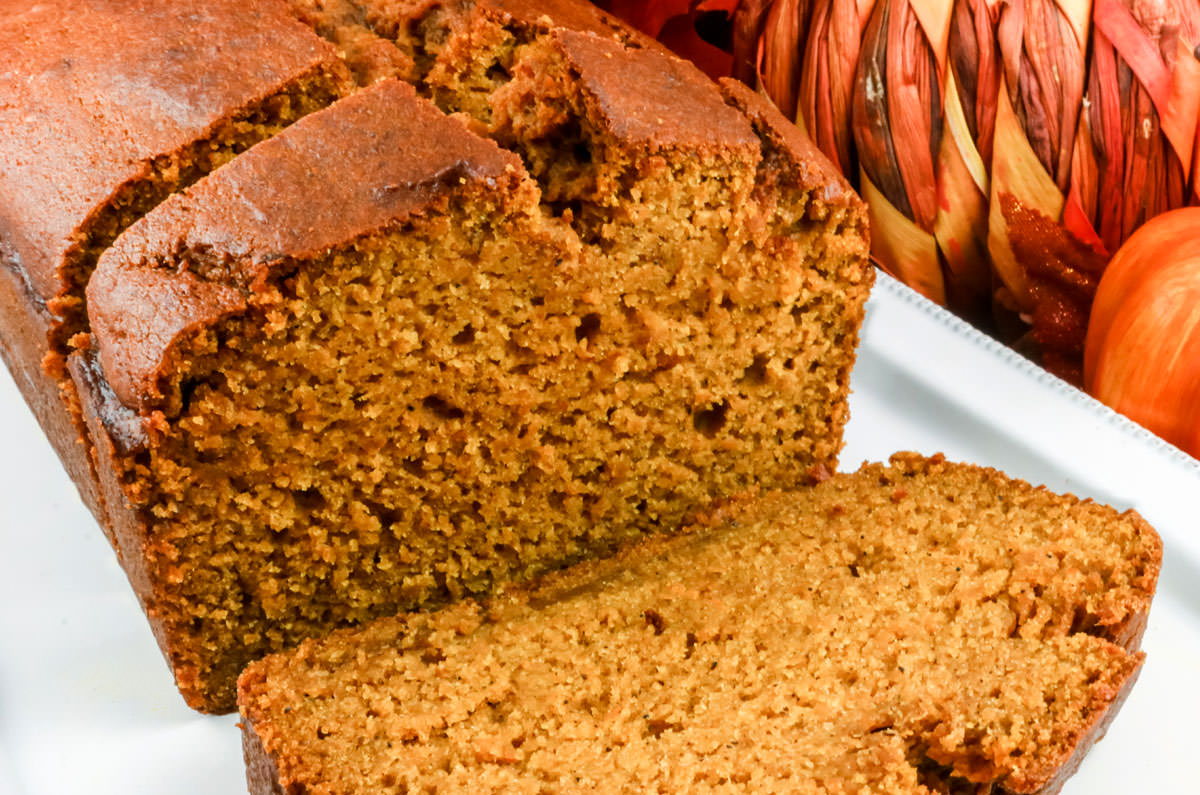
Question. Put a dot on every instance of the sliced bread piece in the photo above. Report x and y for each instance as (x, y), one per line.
(918, 627)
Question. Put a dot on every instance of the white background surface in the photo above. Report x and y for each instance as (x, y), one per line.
(87, 703)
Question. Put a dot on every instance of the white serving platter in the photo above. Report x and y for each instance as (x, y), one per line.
(87, 703)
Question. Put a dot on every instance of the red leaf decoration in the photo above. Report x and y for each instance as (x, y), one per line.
(673, 22)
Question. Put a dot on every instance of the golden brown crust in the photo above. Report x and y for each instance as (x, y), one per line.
(649, 98)
(121, 84)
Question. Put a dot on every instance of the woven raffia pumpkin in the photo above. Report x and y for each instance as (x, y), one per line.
(1006, 148)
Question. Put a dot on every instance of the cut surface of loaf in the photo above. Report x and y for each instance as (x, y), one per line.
(916, 627)
(280, 377)
(379, 362)
(108, 108)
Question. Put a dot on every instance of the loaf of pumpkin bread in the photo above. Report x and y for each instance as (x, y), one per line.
(916, 627)
(392, 357)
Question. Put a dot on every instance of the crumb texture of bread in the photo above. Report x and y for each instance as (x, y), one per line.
(915, 627)
(414, 348)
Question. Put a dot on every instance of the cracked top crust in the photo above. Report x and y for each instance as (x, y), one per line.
(121, 83)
